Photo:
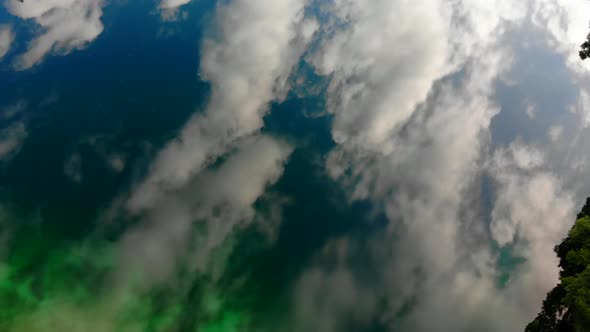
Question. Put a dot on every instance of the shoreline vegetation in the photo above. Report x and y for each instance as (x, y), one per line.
(567, 306)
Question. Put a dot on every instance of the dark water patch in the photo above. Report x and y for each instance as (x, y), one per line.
(131, 84)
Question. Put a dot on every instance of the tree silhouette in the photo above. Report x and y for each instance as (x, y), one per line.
(585, 48)
(567, 306)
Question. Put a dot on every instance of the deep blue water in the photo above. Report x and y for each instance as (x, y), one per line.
(135, 87)
(137, 84)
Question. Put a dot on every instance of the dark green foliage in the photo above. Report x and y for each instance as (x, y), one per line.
(585, 210)
(585, 48)
(550, 318)
(567, 306)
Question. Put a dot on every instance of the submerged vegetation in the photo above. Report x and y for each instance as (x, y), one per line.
(46, 286)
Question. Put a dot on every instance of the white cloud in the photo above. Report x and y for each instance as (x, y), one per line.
(531, 110)
(12, 139)
(12, 136)
(220, 200)
(519, 155)
(532, 212)
(170, 4)
(116, 162)
(247, 62)
(566, 22)
(327, 300)
(169, 9)
(412, 88)
(435, 212)
(6, 38)
(529, 202)
(11, 111)
(73, 168)
(582, 108)
(102, 148)
(555, 133)
(376, 90)
(66, 25)
(382, 66)
(412, 94)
